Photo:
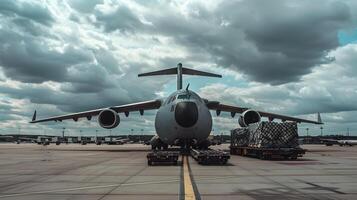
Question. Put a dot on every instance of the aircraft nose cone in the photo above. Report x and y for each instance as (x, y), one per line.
(186, 114)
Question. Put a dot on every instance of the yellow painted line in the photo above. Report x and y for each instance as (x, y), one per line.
(189, 193)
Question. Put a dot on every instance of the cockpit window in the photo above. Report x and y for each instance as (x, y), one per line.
(183, 96)
(171, 99)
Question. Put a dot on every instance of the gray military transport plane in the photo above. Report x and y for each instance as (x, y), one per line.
(183, 119)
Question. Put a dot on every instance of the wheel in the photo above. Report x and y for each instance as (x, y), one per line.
(293, 157)
(261, 157)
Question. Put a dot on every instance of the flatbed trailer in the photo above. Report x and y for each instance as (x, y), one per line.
(157, 156)
(268, 153)
(210, 156)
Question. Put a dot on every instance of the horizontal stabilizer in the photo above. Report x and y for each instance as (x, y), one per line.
(179, 70)
(184, 71)
(160, 72)
(199, 73)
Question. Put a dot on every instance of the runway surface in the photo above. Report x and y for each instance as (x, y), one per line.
(73, 171)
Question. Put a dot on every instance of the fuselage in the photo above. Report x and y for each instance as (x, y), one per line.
(183, 116)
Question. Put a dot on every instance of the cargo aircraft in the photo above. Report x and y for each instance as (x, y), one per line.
(183, 118)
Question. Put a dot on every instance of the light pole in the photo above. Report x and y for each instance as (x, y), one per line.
(321, 130)
(18, 140)
(348, 132)
(142, 130)
(63, 132)
(64, 140)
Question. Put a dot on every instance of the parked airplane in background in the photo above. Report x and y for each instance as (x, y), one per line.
(25, 139)
(347, 142)
(330, 142)
(182, 119)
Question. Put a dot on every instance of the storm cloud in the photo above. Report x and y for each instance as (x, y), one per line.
(271, 42)
(32, 10)
(67, 56)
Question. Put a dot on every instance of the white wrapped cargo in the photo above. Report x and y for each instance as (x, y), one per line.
(267, 135)
(240, 137)
(273, 135)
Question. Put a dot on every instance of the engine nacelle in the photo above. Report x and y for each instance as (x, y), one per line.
(108, 119)
(249, 117)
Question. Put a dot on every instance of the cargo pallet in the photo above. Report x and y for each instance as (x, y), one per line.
(210, 156)
(157, 156)
(268, 153)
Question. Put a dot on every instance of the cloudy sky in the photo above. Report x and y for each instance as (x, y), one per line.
(289, 57)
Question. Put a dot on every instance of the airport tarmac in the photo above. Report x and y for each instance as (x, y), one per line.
(73, 171)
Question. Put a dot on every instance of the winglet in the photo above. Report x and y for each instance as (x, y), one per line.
(34, 116)
(319, 118)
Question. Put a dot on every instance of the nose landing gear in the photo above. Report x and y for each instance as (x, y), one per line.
(159, 146)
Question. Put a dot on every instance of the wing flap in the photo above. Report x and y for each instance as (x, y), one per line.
(287, 118)
(141, 106)
(215, 105)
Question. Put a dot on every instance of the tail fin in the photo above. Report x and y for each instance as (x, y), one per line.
(179, 70)
(34, 116)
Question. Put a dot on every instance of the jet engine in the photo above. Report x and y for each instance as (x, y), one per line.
(108, 119)
(249, 117)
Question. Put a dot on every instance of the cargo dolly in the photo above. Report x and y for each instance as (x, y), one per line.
(268, 153)
(157, 156)
(210, 156)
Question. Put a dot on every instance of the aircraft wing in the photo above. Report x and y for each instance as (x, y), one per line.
(141, 106)
(215, 105)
